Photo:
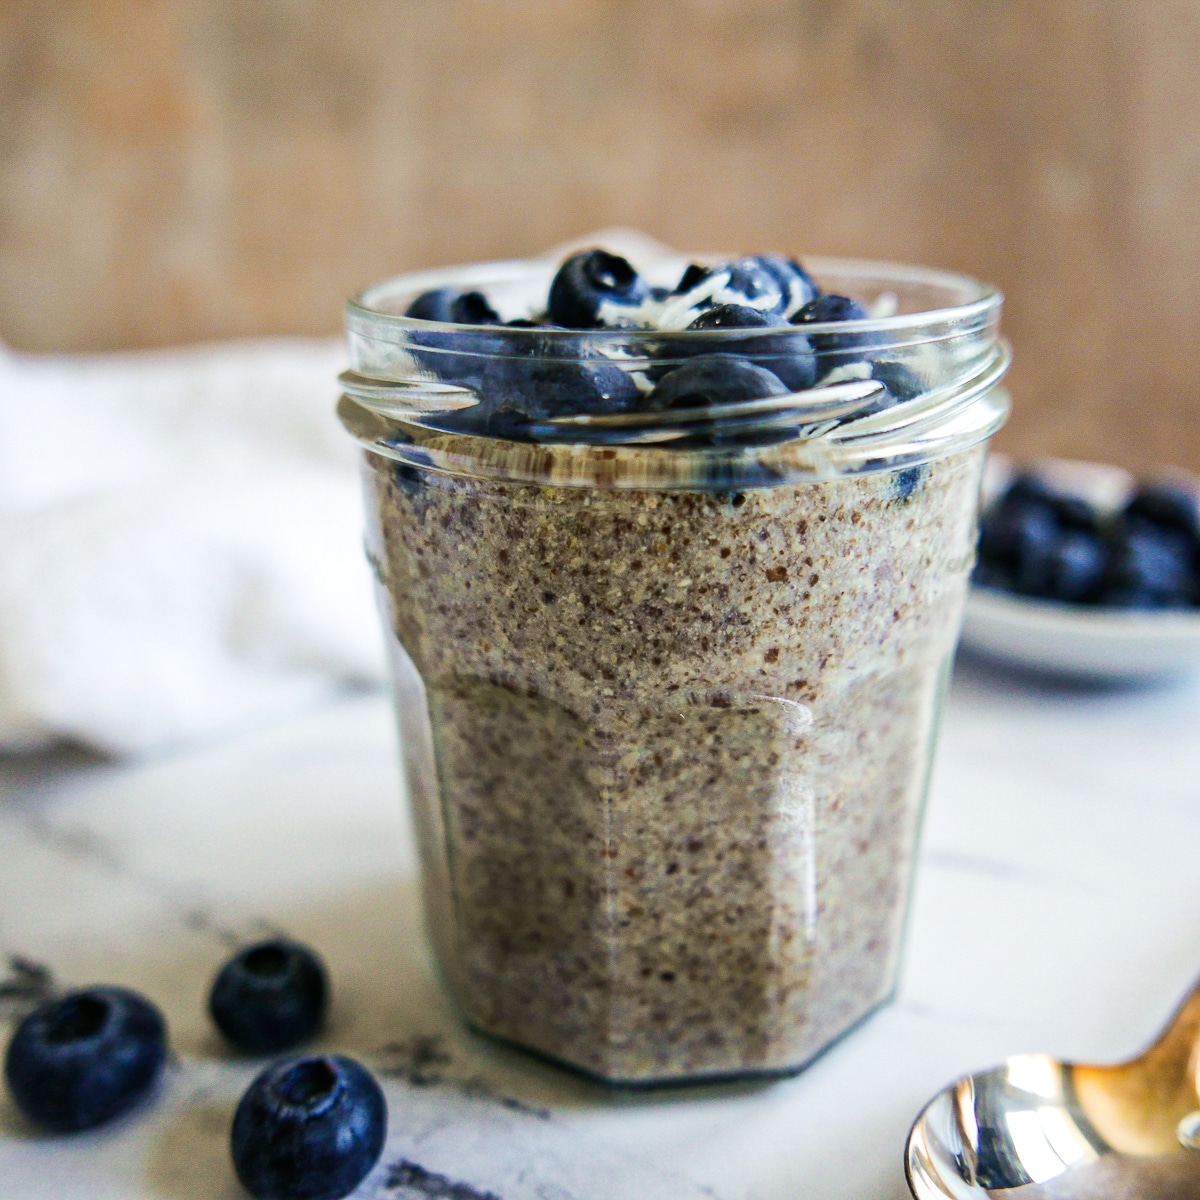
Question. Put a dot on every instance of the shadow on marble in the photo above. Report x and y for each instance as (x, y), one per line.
(13, 1125)
(977, 672)
(25, 772)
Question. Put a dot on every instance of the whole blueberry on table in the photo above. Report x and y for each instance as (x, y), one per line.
(590, 288)
(308, 1129)
(270, 996)
(85, 1058)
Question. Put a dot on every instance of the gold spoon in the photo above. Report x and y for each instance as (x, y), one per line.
(1039, 1129)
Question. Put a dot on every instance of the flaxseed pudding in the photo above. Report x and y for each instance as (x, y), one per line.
(668, 709)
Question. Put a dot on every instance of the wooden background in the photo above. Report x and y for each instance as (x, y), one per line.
(180, 169)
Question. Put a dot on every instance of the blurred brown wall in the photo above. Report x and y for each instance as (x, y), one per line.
(182, 169)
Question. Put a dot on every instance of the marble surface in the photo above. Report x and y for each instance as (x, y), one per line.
(1056, 910)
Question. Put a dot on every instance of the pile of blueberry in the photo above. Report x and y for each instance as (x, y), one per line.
(1037, 540)
(308, 1128)
(522, 381)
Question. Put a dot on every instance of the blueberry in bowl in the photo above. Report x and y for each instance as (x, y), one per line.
(270, 996)
(308, 1129)
(1156, 550)
(1085, 573)
(83, 1059)
(1169, 505)
(1040, 542)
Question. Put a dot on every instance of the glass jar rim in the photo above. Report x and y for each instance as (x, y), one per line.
(960, 404)
(365, 309)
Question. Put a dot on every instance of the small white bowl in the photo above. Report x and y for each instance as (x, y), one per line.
(1088, 643)
(1077, 640)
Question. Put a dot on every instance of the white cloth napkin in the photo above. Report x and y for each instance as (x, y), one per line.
(180, 544)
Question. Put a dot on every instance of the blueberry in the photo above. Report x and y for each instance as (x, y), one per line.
(433, 305)
(1077, 567)
(1040, 542)
(732, 316)
(472, 308)
(85, 1058)
(1029, 486)
(538, 377)
(796, 284)
(409, 479)
(990, 575)
(542, 377)
(797, 371)
(1153, 566)
(539, 388)
(899, 380)
(589, 285)
(270, 996)
(1169, 506)
(835, 349)
(713, 379)
(905, 482)
(785, 354)
(308, 1129)
(719, 379)
(456, 357)
(830, 307)
(1019, 538)
(752, 281)
(453, 305)
(746, 283)
(1034, 533)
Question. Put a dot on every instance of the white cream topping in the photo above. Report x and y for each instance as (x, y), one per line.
(886, 304)
(846, 372)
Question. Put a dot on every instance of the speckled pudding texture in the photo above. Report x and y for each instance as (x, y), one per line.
(671, 751)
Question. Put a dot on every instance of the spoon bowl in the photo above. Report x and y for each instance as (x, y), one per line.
(1035, 1128)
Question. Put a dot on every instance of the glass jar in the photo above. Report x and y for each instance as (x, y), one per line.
(668, 707)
